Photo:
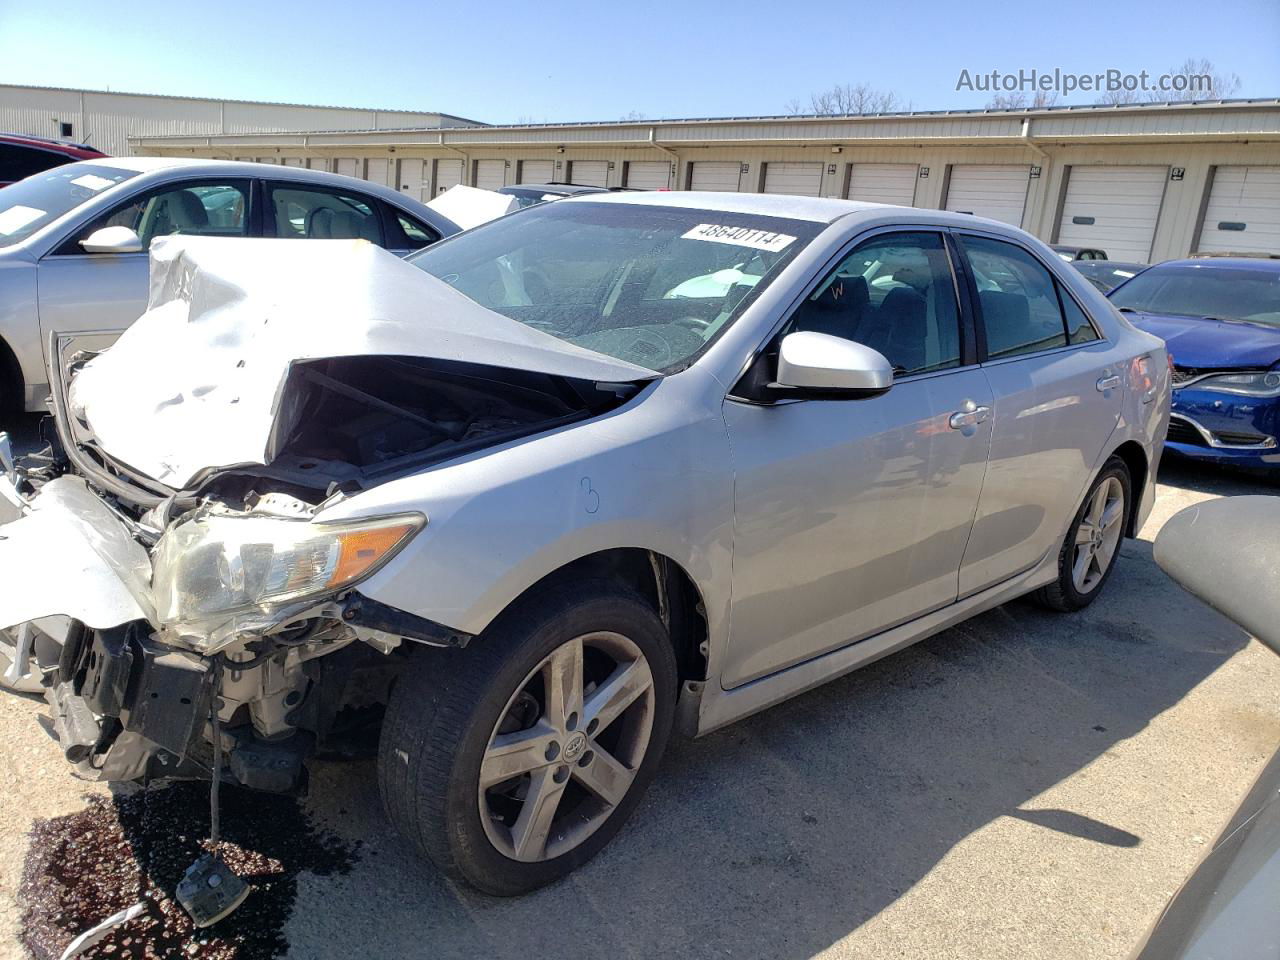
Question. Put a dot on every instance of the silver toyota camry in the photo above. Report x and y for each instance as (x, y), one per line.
(552, 488)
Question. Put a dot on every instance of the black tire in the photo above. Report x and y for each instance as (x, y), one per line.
(1062, 595)
(446, 705)
(11, 387)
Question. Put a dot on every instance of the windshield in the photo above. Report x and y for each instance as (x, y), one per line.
(649, 285)
(1194, 290)
(30, 204)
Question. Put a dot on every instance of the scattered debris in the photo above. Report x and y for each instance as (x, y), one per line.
(125, 850)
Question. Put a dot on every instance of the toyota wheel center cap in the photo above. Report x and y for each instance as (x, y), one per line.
(575, 746)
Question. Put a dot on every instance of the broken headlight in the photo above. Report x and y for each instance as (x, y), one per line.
(217, 575)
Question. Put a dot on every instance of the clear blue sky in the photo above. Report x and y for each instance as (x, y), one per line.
(599, 61)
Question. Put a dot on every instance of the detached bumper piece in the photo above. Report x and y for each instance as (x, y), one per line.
(127, 708)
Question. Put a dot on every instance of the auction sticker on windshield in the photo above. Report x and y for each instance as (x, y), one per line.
(93, 182)
(740, 237)
(17, 217)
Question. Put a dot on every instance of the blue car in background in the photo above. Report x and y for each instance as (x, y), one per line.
(1221, 320)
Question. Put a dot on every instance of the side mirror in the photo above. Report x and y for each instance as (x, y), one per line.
(820, 363)
(112, 240)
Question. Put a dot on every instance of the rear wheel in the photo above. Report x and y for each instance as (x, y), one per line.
(516, 760)
(1089, 551)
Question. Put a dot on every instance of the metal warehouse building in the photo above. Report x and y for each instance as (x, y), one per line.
(107, 120)
(1144, 181)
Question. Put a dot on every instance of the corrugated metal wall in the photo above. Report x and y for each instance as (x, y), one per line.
(107, 120)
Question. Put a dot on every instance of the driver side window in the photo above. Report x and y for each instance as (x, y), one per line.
(218, 209)
(895, 294)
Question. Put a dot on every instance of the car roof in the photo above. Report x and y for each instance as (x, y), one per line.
(48, 143)
(1264, 264)
(815, 209)
(560, 189)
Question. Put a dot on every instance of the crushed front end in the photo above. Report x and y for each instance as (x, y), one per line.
(136, 636)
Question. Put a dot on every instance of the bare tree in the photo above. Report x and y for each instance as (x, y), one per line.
(846, 99)
(1219, 86)
(1020, 101)
(631, 116)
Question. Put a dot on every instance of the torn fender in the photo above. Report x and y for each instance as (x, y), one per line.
(70, 555)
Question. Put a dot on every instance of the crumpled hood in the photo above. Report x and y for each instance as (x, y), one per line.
(1203, 343)
(197, 381)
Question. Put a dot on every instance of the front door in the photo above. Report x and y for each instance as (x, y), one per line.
(852, 516)
(100, 294)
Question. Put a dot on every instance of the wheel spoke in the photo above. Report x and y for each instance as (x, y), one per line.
(1097, 504)
(623, 687)
(1080, 570)
(512, 754)
(1084, 533)
(564, 684)
(1112, 514)
(530, 832)
(1106, 550)
(604, 776)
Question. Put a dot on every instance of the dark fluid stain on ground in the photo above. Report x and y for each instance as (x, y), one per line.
(86, 866)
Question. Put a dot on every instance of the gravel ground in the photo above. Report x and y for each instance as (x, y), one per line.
(1026, 786)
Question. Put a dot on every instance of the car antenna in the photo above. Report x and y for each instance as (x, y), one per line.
(209, 890)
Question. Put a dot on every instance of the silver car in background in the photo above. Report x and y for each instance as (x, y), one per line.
(553, 487)
(74, 240)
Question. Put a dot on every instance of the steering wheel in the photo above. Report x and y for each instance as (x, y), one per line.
(695, 325)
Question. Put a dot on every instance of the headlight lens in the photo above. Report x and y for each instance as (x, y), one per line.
(215, 574)
(1241, 384)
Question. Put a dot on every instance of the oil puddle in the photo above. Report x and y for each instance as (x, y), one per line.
(86, 866)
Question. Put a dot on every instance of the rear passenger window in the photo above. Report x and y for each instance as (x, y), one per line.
(1017, 297)
(1079, 329)
(311, 214)
(894, 293)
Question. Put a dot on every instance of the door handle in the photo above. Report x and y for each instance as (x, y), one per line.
(969, 415)
(1108, 383)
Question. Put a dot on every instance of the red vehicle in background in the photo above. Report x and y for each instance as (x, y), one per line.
(21, 156)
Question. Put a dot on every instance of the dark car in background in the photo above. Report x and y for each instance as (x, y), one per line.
(528, 194)
(21, 156)
(1221, 320)
(1106, 275)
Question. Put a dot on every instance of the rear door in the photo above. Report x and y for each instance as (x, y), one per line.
(851, 516)
(82, 292)
(1057, 397)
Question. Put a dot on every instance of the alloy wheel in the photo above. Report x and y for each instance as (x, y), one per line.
(566, 747)
(1098, 535)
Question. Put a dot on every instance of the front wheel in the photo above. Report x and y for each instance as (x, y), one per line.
(515, 761)
(1089, 551)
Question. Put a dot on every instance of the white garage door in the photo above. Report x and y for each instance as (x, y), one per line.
(377, 170)
(537, 171)
(1243, 214)
(715, 175)
(997, 191)
(293, 161)
(648, 174)
(801, 179)
(589, 173)
(884, 183)
(317, 163)
(1114, 208)
(448, 174)
(491, 174)
(345, 166)
(411, 174)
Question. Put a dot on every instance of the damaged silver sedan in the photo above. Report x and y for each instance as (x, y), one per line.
(512, 510)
